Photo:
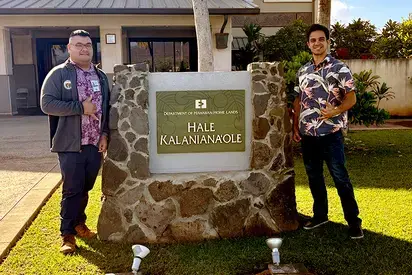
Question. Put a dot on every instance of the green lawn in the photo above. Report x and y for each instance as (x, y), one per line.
(379, 163)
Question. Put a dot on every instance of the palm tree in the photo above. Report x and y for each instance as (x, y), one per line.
(369, 80)
(203, 34)
(383, 92)
(255, 39)
(324, 12)
(253, 33)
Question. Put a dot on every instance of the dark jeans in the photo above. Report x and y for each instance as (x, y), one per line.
(330, 149)
(79, 171)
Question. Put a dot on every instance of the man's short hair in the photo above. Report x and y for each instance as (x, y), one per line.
(82, 33)
(317, 27)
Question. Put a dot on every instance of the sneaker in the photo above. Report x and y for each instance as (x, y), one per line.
(313, 223)
(84, 232)
(68, 244)
(355, 232)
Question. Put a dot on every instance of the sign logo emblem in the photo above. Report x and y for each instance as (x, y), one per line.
(67, 84)
(200, 104)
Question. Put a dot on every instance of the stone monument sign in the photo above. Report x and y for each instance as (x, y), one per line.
(196, 156)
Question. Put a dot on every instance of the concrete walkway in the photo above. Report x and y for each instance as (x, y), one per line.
(29, 174)
(391, 124)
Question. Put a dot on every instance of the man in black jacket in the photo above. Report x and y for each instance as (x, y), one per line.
(75, 95)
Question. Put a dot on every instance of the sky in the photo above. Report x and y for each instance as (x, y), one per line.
(378, 12)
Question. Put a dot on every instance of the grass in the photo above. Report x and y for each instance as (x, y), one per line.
(380, 168)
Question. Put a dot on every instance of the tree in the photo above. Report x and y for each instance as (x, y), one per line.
(287, 42)
(204, 39)
(324, 12)
(255, 38)
(360, 37)
(338, 45)
(395, 40)
(357, 38)
(253, 50)
(406, 36)
(388, 44)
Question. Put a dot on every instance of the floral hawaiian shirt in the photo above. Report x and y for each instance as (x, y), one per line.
(88, 84)
(329, 81)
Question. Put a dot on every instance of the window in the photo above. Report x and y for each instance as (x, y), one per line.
(162, 56)
(59, 54)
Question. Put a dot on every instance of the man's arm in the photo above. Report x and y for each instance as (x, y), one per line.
(349, 100)
(104, 139)
(296, 109)
(50, 100)
(296, 114)
(347, 87)
(105, 130)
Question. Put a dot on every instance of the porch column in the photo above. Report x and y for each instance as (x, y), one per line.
(7, 94)
(315, 10)
(111, 53)
(222, 58)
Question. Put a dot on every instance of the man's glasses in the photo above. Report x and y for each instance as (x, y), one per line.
(80, 46)
(320, 39)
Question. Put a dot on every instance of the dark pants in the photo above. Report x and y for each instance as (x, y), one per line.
(330, 149)
(79, 172)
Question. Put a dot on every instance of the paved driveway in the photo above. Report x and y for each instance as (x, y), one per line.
(25, 157)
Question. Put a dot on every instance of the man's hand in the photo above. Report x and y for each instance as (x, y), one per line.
(89, 108)
(296, 112)
(329, 111)
(103, 144)
(296, 136)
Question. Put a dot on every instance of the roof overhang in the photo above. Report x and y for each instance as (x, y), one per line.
(151, 11)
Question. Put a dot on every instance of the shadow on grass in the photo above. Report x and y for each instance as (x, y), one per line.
(324, 250)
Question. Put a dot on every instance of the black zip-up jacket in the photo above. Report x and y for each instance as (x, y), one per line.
(61, 103)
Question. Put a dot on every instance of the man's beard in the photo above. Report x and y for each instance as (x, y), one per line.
(322, 52)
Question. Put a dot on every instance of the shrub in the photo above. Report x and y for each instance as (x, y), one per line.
(290, 70)
(368, 96)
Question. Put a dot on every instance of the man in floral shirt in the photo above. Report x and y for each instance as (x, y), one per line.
(75, 95)
(325, 93)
